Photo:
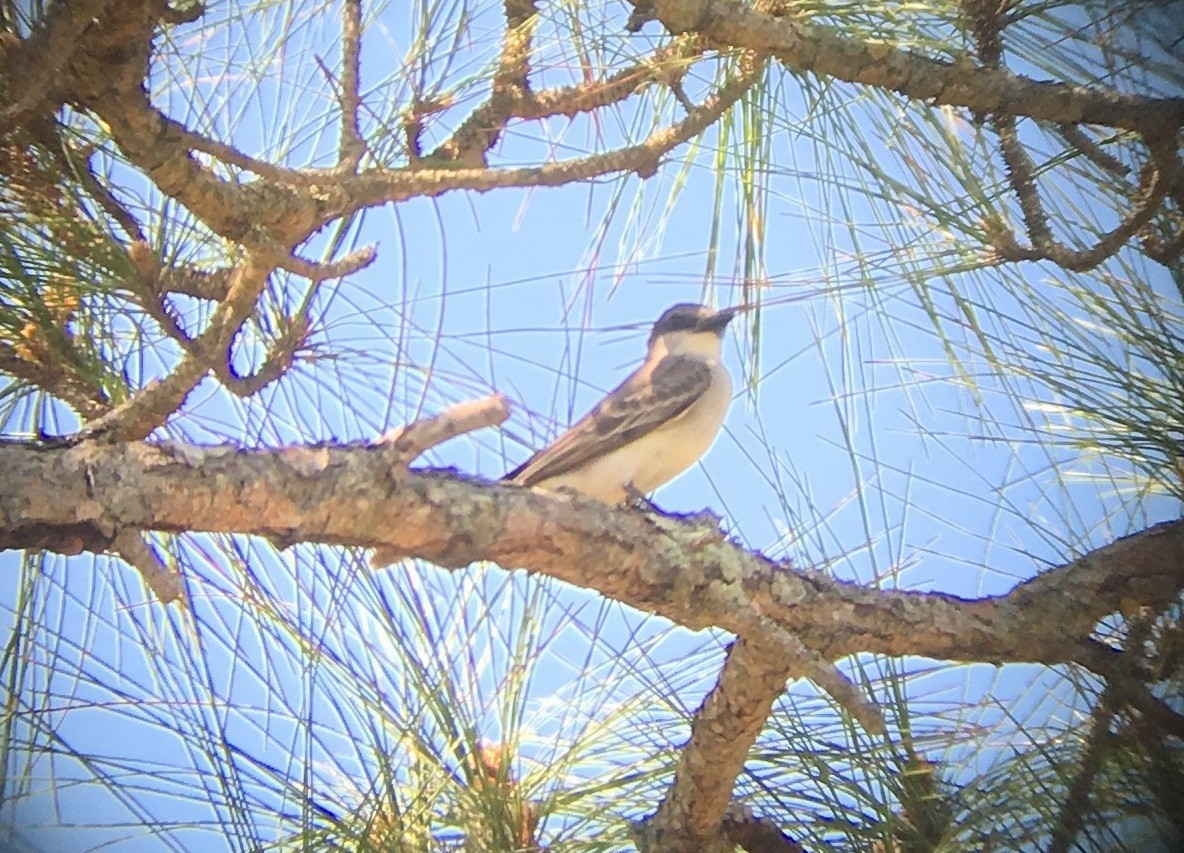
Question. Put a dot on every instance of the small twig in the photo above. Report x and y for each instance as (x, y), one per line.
(644, 158)
(351, 146)
(1163, 251)
(510, 86)
(1153, 186)
(280, 358)
(149, 294)
(58, 379)
(749, 71)
(666, 64)
(411, 441)
(105, 198)
(513, 67)
(317, 271)
(163, 581)
(1167, 162)
(1075, 137)
(986, 20)
(232, 156)
(157, 307)
(155, 285)
(1148, 197)
(1023, 184)
(152, 405)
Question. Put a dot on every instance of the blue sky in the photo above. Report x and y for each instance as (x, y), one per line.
(852, 444)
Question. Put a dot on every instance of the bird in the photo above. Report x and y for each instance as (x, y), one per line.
(653, 426)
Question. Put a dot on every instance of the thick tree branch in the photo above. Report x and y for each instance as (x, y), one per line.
(282, 211)
(95, 55)
(106, 49)
(731, 717)
(807, 47)
(351, 496)
(753, 834)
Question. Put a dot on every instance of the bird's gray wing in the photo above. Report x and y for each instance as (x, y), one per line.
(640, 404)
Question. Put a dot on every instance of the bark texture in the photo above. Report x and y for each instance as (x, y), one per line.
(70, 499)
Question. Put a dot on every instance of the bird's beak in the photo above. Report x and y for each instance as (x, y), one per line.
(720, 319)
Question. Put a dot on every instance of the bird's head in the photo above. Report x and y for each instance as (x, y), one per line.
(690, 329)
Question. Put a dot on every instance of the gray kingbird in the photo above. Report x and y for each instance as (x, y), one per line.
(651, 427)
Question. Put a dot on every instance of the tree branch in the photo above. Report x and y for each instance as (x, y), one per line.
(78, 163)
(57, 378)
(667, 64)
(1154, 180)
(807, 47)
(151, 406)
(164, 582)
(1077, 139)
(34, 69)
(726, 725)
(1099, 742)
(281, 355)
(351, 496)
(510, 85)
(351, 146)
(395, 185)
(753, 834)
(184, 279)
(413, 440)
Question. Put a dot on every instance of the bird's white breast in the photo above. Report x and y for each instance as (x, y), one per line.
(659, 456)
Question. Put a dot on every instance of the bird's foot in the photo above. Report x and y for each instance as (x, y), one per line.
(636, 499)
